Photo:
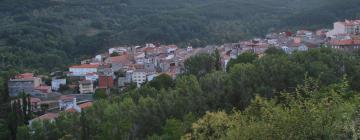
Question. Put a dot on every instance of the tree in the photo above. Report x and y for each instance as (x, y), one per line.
(304, 115)
(114, 54)
(274, 51)
(212, 126)
(278, 73)
(23, 133)
(199, 65)
(217, 58)
(163, 81)
(215, 85)
(246, 57)
(4, 130)
(100, 94)
(172, 130)
(244, 80)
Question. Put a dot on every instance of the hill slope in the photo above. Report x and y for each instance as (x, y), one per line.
(52, 33)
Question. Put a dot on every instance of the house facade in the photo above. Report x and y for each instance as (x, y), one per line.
(139, 76)
(23, 83)
(86, 86)
(83, 69)
(346, 27)
(55, 83)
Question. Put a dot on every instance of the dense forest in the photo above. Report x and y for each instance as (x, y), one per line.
(46, 35)
(305, 95)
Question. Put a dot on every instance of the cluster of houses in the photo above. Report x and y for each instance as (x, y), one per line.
(45, 101)
(123, 66)
(117, 68)
(344, 36)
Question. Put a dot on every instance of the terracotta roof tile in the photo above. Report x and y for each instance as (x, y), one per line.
(124, 59)
(24, 76)
(85, 66)
(47, 116)
(86, 105)
(67, 97)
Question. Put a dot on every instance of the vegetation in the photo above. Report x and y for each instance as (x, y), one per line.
(304, 95)
(47, 35)
(306, 89)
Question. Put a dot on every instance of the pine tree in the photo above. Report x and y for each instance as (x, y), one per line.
(217, 60)
(356, 135)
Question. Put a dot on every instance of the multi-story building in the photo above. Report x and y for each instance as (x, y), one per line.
(83, 69)
(349, 43)
(118, 62)
(346, 27)
(86, 86)
(23, 83)
(106, 81)
(55, 83)
(139, 76)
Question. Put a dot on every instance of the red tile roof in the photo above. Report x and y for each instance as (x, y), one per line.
(43, 89)
(71, 110)
(86, 105)
(67, 97)
(85, 66)
(24, 76)
(124, 59)
(345, 42)
(47, 116)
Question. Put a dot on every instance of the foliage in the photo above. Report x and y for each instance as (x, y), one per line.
(4, 131)
(247, 57)
(114, 54)
(163, 81)
(274, 51)
(100, 94)
(306, 114)
(200, 64)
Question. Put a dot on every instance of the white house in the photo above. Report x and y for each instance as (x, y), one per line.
(119, 50)
(189, 49)
(83, 69)
(86, 86)
(339, 28)
(151, 77)
(346, 27)
(65, 101)
(139, 76)
(98, 58)
(111, 50)
(286, 49)
(128, 77)
(55, 83)
(171, 49)
(73, 106)
(303, 48)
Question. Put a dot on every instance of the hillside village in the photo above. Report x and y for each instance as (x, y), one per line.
(121, 67)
